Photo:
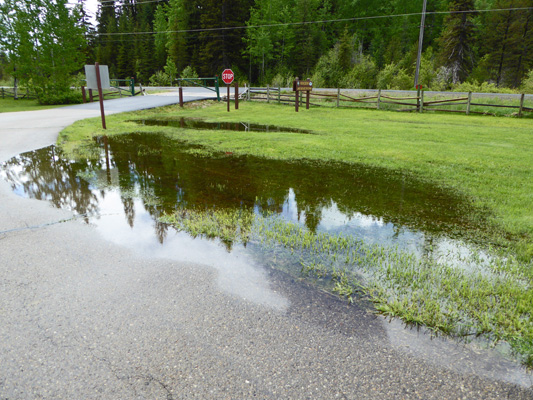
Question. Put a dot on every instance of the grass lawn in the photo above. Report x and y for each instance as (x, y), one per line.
(487, 159)
(11, 105)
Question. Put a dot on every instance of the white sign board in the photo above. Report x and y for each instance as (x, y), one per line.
(90, 75)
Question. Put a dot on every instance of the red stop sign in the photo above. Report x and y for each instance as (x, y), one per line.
(228, 76)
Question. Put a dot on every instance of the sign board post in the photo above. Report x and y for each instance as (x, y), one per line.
(299, 86)
(227, 78)
(97, 77)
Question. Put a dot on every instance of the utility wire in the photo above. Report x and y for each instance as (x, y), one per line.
(313, 22)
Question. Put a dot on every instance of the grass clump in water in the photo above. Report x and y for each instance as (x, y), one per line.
(487, 297)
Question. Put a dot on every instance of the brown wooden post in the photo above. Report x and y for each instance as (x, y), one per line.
(91, 99)
(180, 91)
(308, 96)
(236, 95)
(418, 97)
(268, 93)
(421, 101)
(100, 93)
(379, 98)
(338, 97)
(521, 104)
(468, 103)
(83, 94)
(296, 95)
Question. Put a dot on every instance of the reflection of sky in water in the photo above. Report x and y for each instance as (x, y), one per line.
(238, 273)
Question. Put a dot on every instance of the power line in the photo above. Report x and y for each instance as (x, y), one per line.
(314, 22)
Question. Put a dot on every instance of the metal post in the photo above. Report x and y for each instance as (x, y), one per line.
(100, 93)
(420, 42)
(228, 97)
(217, 88)
(236, 95)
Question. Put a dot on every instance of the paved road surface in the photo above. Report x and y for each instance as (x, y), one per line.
(83, 318)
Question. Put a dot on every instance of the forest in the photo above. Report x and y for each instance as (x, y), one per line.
(483, 44)
(337, 43)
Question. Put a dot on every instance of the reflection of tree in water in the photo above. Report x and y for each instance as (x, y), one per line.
(166, 175)
(179, 178)
(46, 175)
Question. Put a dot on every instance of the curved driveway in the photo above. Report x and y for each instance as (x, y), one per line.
(83, 318)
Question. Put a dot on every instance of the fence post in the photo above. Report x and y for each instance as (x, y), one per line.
(379, 98)
(180, 92)
(83, 94)
(279, 94)
(521, 104)
(268, 93)
(421, 108)
(248, 94)
(3, 94)
(468, 103)
(338, 97)
(132, 86)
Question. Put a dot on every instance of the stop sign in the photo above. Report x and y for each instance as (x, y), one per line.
(227, 76)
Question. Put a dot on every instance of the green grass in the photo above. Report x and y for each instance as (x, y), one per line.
(11, 105)
(490, 299)
(488, 159)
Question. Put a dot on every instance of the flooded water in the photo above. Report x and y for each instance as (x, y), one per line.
(135, 179)
(377, 205)
(192, 123)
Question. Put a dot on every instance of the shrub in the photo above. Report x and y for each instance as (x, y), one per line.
(67, 97)
(527, 83)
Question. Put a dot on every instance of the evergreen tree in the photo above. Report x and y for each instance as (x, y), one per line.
(457, 40)
(509, 42)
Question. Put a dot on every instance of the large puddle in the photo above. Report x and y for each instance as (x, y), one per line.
(192, 123)
(137, 178)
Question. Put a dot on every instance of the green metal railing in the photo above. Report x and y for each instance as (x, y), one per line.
(116, 83)
(202, 83)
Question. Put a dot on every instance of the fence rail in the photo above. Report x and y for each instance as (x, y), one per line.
(382, 100)
(11, 92)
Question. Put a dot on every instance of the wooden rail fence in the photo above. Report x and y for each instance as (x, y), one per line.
(414, 103)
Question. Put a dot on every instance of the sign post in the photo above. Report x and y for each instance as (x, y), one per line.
(97, 77)
(299, 86)
(227, 78)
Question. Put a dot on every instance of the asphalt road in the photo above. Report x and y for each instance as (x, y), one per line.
(84, 318)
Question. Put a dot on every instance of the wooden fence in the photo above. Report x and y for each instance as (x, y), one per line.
(10, 92)
(383, 100)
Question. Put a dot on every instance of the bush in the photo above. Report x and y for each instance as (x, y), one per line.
(67, 97)
(485, 87)
(394, 78)
(527, 83)
(363, 74)
(160, 78)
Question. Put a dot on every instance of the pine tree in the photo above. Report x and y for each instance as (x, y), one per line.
(509, 42)
(457, 40)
